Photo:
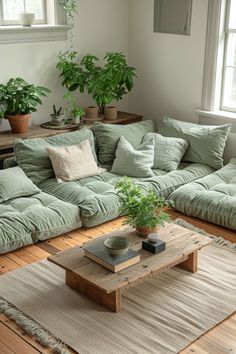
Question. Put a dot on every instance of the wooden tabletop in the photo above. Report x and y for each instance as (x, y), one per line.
(180, 242)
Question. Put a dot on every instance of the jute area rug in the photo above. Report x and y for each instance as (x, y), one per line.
(161, 316)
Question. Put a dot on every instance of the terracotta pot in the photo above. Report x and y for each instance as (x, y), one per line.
(19, 123)
(110, 113)
(145, 231)
(91, 112)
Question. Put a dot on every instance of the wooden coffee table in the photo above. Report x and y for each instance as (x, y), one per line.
(105, 287)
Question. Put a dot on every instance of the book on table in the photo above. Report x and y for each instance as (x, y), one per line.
(97, 252)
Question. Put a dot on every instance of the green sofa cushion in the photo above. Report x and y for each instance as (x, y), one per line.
(211, 198)
(96, 196)
(108, 135)
(168, 152)
(26, 220)
(206, 143)
(32, 156)
(134, 162)
(14, 183)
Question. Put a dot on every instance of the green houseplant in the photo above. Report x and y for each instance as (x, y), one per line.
(76, 112)
(19, 99)
(57, 117)
(104, 83)
(142, 209)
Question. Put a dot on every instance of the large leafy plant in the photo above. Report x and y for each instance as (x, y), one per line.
(140, 208)
(104, 83)
(19, 97)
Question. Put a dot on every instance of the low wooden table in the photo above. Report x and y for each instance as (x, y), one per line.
(105, 287)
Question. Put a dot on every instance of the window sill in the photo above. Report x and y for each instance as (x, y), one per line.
(36, 33)
(214, 117)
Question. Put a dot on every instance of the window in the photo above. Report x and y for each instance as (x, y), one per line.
(219, 86)
(228, 99)
(50, 21)
(11, 9)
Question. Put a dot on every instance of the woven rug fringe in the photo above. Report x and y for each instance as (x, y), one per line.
(44, 337)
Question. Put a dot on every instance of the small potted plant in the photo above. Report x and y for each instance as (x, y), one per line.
(57, 117)
(75, 111)
(77, 115)
(19, 100)
(104, 83)
(142, 209)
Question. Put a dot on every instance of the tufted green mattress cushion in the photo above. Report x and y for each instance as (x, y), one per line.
(32, 156)
(96, 196)
(26, 220)
(211, 198)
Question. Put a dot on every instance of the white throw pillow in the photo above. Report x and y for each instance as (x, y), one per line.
(73, 162)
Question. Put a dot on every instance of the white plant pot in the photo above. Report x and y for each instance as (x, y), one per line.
(76, 120)
(26, 18)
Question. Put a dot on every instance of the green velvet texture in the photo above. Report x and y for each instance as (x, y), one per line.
(168, 152)
(134, 162)
(14, 183)
(33, 158)
(211, 198)
(26, 220)
(108, 135)
(206, 143)
(96, 196)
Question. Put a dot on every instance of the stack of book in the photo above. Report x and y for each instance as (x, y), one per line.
(97, 252)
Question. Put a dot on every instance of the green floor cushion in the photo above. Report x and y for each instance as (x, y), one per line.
(108, 135)
(14, 183)
(33, 158)
(168, 152)
(206, 143)
(134, 162)
(212, 198)
(96, 196)
(26, 220)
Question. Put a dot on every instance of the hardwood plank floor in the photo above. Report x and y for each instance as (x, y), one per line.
(219, 340)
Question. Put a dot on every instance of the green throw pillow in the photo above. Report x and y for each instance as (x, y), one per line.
(168, 152)
(14, 183)
(108, 135)
(33, 158)
(206, 143)
(134, 163)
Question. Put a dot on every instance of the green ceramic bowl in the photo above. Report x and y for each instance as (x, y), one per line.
(117, 245)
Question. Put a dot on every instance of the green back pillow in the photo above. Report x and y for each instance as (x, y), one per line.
(134, 162)
(168, 152)
(14, 183)
(206, 143)
(33, 158)
(108, 135)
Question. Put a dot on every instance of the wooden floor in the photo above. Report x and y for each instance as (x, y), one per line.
(220, 340)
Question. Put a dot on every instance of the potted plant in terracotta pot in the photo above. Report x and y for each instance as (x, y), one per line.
(19, 100)
(105, 84)
(142, 209)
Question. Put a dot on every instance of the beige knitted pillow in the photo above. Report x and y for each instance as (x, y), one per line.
(73, 162)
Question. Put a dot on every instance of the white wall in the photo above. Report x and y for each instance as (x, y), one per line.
(102, 25)
(169, 67)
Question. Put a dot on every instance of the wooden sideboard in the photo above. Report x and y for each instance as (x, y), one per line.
(36, 131)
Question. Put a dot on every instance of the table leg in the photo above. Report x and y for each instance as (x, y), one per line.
(111, 301)
(191, 263)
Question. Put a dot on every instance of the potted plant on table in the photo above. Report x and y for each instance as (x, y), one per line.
(142, 209)
(19, 99)
(104, 83)
(76, 112)
(57, 117)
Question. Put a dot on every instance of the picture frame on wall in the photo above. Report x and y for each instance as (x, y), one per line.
(172, 16)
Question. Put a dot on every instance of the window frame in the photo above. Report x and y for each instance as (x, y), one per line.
(4, 22)
(228, 31)
(56, 28)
